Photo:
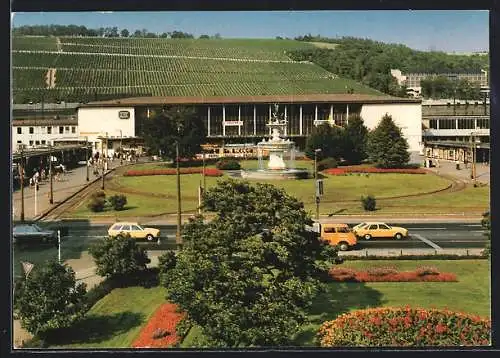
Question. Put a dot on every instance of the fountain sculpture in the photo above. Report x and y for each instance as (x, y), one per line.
(281, 153)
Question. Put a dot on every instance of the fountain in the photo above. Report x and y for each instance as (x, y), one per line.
(281, 153)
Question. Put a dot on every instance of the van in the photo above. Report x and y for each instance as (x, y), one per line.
(339, 235)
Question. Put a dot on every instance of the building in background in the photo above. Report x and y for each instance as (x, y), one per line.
(412, 80)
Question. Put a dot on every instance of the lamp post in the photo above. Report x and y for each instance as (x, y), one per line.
(22, 183)
(178, 235)
(87, 155)
(51, 193)
(316, 193)
(121, 147)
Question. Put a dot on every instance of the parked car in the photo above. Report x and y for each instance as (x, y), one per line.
(339, 235)
(32, 233)
(135, 231)
(369, 230)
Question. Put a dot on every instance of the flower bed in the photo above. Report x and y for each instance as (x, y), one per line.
(371, 170)
(160, 331)
(388, 326)
(390, 274)
(210, 172)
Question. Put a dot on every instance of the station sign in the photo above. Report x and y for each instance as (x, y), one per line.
(124, 114)
(233, 123)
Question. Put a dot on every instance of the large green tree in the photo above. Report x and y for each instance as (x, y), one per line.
(355, 140)
(49, 299)
(118, 257)
(172, 124)
(330, 139)
(387, 147)
(247, 276)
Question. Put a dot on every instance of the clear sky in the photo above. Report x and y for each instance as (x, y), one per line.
(447, 30)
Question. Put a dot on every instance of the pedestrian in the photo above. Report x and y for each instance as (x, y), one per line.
(43, 174)
(31, 181)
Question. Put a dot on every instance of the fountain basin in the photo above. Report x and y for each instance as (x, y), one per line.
(273, 174)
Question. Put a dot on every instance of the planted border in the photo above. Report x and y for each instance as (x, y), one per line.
(371, 170)
(160, 331)
(389, 327)
(390, 274)
(210, 172)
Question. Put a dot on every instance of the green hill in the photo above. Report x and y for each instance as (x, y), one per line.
(95, 68)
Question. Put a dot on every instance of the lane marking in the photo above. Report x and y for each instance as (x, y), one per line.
(474, 225)
(428, 228)
(428, 242)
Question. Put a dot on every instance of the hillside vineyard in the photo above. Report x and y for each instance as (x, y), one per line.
(89, 68)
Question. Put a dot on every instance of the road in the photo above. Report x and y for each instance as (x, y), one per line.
(422, 236)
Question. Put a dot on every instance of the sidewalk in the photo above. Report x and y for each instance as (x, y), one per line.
(70, 183)
(448, 167)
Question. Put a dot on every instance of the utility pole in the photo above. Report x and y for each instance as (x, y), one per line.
(178, 237)
(51, 193)
(22, 183)
(316, 191)
(204, 177)
(473, 157)
(121, 147)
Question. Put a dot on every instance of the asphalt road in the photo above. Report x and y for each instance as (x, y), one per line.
(421, 236)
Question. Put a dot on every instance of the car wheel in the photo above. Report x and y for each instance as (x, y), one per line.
(343, 246)
(150, 237)
(398, 236)
(368, 237)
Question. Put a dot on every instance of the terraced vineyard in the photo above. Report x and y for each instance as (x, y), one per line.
(88, 68)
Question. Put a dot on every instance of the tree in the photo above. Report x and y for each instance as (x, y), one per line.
(486, 224)
(330, 139)
(204, 37)
(118, 257)
(162, 131)
(49, 299)
(247, 276)
(355, 140)
(124, 33)
(387, 147)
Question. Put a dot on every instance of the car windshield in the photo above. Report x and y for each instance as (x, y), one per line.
(36, 227)
(359, 226)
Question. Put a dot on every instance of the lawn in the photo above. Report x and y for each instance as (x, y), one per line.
(471, 294)
(156, 195)
(116, 320)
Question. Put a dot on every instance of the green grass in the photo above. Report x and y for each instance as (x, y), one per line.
(155, 195)
(116, 320)
(471, 294)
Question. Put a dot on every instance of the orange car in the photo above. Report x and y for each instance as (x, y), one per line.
(339, 235)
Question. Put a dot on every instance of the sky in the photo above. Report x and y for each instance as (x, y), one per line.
(448, 30)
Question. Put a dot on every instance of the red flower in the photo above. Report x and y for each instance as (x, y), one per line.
(165, 317)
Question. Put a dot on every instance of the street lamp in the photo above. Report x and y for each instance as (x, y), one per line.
(316, 191)
(178, 234)
(51, 194)
(121, 147)
(87, 155)
(473, 155)
(22, 182)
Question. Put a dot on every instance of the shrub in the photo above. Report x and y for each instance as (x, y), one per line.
(98, 194)
(327, 163)
(342, 274)
(382, 271)
(228, 164)
(359, 169)
(401, 327)
(118, 202)
(97, 204)
(426, 270)
(369, 202)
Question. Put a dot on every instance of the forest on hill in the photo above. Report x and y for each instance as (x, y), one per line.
(370, 62)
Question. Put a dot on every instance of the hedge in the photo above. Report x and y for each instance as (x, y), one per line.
(372, 170)
(402, 327)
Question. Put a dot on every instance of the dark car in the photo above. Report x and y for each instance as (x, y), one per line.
(32, 233)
